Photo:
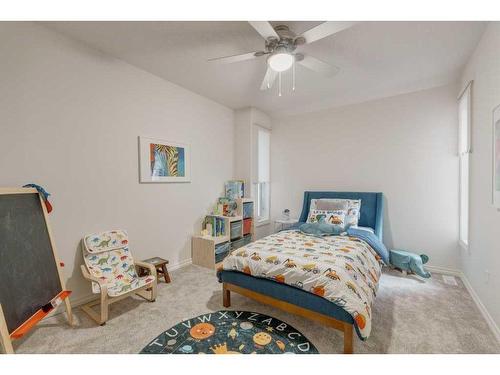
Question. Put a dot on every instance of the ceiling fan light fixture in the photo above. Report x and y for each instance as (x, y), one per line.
(280, 61)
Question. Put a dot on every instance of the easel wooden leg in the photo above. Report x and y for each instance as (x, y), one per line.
(68, 311)
(348, 337)
(226, 296)
(4, 334)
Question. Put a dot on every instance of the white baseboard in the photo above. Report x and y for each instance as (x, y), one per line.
(181, 264)
(484, 312)
(89, 297)
(444, 270)
(491, 323)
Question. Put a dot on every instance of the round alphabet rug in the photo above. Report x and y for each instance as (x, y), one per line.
(231, 332)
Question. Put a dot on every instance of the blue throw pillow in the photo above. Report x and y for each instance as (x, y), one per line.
(320, 229)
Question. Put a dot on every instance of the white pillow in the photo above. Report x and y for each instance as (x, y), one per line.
(352, 206)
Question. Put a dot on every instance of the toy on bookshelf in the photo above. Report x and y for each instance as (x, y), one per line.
(217, 210)
(227, 206)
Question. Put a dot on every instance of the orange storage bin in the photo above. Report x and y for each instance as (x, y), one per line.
(247, 226)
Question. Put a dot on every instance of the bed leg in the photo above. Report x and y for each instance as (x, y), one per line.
(226, 296)
(348, 336)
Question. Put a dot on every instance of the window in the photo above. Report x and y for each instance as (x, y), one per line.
(464, 149)
(261, 173)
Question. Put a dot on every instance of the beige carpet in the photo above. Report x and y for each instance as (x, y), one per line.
(410, 316)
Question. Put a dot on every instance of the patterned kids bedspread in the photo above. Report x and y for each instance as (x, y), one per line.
(344, 270)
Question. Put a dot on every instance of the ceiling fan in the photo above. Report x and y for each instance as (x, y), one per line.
(280, 47)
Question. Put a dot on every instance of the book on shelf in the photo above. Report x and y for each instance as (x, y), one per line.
(217, 225)
(235, 189)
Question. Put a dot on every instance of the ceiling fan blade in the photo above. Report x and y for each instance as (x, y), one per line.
(236, 58)
(264, 28)
(269, 79)
(325, 29)
(318, 66)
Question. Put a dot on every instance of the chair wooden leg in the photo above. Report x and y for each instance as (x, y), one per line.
(154, 291)
(226, 296)
(104, 308)
(348, 338)
(88, 309)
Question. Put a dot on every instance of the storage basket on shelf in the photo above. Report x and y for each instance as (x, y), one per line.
(247, 226)
(237, 243)
(247, 210)
(221, 251)
(247, 239)
(236, 229)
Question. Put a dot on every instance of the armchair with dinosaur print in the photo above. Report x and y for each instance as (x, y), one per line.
(110, 267)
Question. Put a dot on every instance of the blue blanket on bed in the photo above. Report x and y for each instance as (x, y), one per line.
(365, 234)
(371, 239)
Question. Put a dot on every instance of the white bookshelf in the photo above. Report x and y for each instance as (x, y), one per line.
(203, 247)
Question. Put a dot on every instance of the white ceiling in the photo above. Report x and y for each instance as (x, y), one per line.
(377, 59)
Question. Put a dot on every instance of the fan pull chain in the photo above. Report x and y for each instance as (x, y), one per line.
(293, 75)
(279, 86)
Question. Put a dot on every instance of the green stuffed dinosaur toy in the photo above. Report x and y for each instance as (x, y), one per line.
(411, 262)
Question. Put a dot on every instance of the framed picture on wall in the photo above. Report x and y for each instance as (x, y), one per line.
(496, 157)
(164, 161)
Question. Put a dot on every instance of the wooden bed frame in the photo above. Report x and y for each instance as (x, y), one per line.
(347, 328)
(371, 215)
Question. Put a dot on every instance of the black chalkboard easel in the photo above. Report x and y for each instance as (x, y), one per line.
(31, 283)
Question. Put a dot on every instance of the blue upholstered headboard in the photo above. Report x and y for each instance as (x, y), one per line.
(372, 207)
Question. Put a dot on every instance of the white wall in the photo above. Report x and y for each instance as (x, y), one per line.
(404, 146)
(484, 243)
(245, 152)
(69, 120)
(243, 146)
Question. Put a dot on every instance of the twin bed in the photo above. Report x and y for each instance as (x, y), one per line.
(332, 280)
